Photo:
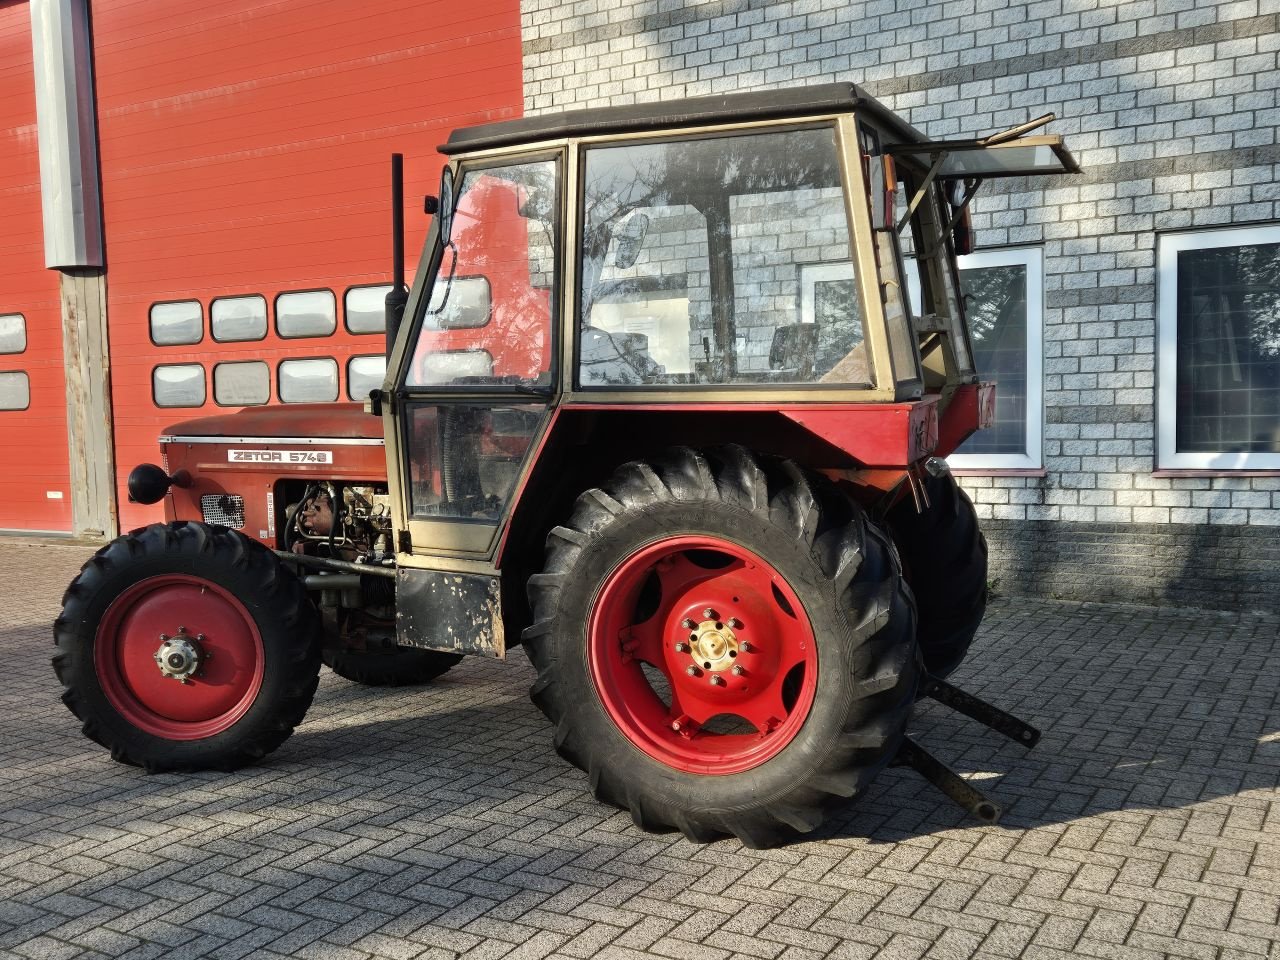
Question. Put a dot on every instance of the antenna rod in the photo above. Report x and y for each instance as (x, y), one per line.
(398, 295)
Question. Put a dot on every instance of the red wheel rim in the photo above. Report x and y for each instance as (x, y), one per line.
(702, 655)
(230, 668)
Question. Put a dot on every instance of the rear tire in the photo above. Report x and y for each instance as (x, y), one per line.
(766, 560)
(245, 630)
(944, 557)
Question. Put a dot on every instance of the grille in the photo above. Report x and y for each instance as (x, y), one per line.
(226, 509)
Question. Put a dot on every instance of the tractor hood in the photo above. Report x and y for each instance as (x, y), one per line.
(301, 422)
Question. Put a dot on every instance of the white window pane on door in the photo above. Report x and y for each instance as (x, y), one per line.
(309, 381)
(306, 313)
(15, 390)
(13, 333)
(177, 323)
(242, 384)
(178, 385)
(365, 309)
(365, 374)
(238, 318)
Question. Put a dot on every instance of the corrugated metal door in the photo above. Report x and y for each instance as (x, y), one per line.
(34, 492)
(245, 153)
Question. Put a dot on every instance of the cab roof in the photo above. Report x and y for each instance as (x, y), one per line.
(698, 111)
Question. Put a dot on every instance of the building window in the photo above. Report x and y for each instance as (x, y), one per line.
(1218, 310)
(1003, 296)
(314, 380)
(1003, 292)
(306, 313)
(13, 333)
(365, 374)
(241, 384)
(238, 318)
(15, 390)
(365, 308)
(178, 323)
(178, 385)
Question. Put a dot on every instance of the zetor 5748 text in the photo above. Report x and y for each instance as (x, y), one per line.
(667, 408)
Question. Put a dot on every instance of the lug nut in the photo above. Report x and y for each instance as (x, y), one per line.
(688, 624)
(737, 670)
(745, 647)
(682, 648)
(717, 680)
(200, 637)
(735, 623)
(182, 629)
(691, 670)
(164, 638)
(710, 614)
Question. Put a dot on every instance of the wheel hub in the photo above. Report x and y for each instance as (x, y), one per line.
(180, 657)
(714, 646)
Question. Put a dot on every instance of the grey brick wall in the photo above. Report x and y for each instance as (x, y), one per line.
(1171, 109)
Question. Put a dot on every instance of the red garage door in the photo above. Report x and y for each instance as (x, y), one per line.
(34, 493)
(245, 153)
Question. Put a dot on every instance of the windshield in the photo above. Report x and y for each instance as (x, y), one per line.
(489, 315)
(718, 260)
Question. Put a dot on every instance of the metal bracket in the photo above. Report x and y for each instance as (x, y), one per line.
(919, 759)
(922, 191)
(985, 713)
(913, 755)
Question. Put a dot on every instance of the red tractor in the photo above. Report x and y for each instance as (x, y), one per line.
(661, 412)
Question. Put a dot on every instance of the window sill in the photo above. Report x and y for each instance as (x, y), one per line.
(1188, 472)
(999, 471)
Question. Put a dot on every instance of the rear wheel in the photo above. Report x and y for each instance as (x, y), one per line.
(725, 646)
(944, 556)
(184, 646)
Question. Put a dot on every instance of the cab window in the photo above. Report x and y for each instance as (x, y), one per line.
(718, 260)
(487, 321)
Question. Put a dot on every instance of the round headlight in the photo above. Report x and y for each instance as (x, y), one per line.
(148, 483)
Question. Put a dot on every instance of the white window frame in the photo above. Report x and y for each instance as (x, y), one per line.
(1031, 258)
(1168, 246)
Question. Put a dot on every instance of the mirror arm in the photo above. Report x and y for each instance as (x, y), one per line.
(922, 190)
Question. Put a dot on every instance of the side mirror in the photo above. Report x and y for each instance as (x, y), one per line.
(445, 205)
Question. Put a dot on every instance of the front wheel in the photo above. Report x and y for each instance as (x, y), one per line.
(724, 644)
(183, 646)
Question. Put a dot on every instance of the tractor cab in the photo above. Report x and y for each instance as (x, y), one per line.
(605, 282)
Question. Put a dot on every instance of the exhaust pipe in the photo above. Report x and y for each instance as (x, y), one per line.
(398, 296)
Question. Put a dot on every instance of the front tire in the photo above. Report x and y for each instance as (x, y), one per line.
(726, 646)
(183, 646)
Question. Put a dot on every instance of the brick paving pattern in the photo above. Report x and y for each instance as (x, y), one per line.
(438, 822)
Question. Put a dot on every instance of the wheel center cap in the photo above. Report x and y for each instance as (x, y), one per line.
(179, 657)
(714, 645)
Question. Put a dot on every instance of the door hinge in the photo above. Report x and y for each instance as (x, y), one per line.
(405, 544)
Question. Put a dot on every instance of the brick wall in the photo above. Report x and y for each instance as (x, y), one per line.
(1171, 110)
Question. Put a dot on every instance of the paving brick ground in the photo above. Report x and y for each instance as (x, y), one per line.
(438, 822)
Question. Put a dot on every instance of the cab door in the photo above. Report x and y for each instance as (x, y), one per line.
(474, 386)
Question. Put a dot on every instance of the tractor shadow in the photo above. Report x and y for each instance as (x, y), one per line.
(1140, 708)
